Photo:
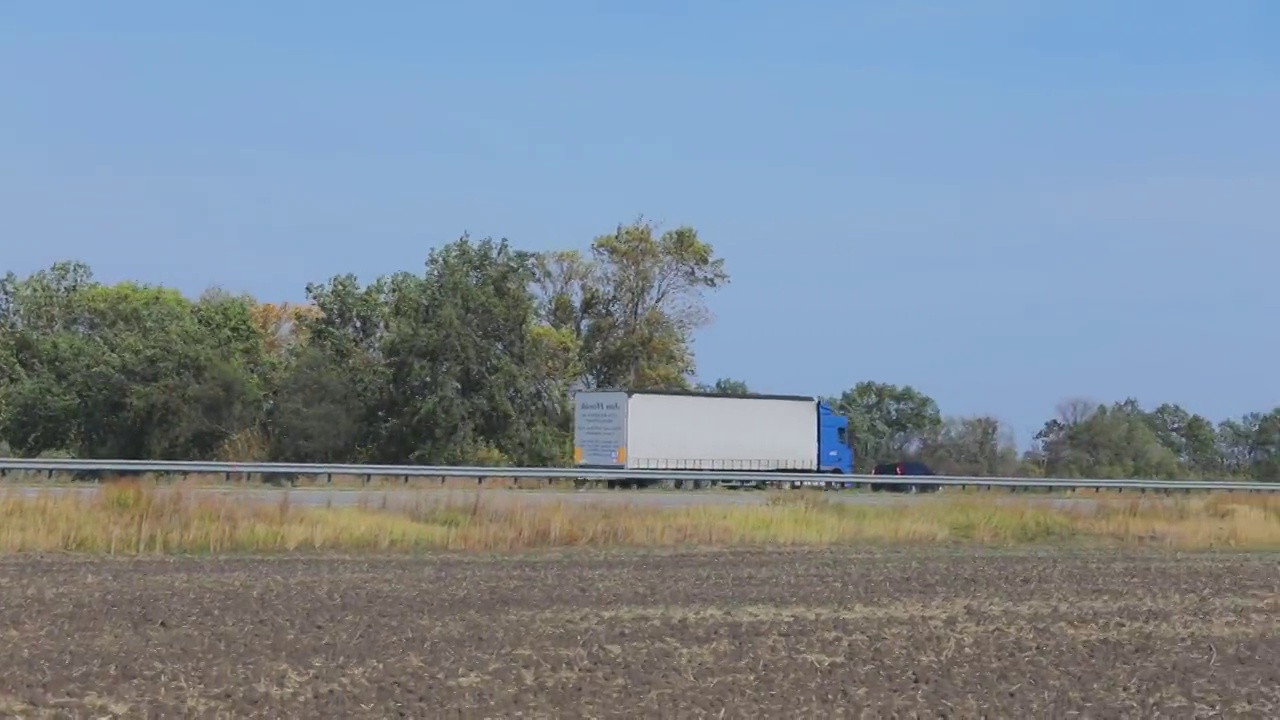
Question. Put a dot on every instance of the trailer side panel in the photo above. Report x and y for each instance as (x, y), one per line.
(710, 432)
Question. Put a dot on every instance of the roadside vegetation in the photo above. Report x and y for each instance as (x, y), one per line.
(470, 360)
(131, 518)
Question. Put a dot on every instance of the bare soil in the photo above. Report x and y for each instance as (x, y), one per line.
(936, 633)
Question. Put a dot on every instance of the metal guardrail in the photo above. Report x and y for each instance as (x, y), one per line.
(481, 473)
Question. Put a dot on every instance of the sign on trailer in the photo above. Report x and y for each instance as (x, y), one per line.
(600, 429)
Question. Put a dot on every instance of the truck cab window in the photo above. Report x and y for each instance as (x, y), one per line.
(841, 434)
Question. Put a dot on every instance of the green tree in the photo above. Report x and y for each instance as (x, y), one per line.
(888, 423)
(1191, 438)
(449, 365)
(345, 332)
(1250, 446)
(461, 347)
(315, 413)
(38, 412)
(977, 446)
(725, 386)
(126, 371)
(1089, 440)
(633, 305)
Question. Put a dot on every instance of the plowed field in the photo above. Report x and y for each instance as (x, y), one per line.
(720, 634)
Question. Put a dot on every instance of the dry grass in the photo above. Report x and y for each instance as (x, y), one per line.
(133, 518)
(248, 481)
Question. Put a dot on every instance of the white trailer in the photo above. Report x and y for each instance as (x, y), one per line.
(643, 430)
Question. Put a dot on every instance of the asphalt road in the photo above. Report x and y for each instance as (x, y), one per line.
(321, 497)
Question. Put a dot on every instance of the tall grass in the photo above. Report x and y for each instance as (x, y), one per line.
(133, 518)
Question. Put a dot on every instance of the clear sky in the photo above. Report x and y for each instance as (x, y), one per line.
(1002, 203)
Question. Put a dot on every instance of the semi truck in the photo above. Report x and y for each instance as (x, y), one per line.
(673, 430)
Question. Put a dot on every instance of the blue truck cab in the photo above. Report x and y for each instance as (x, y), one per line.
(835, 454)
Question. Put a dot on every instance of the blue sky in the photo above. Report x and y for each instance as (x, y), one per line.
(1002, 203)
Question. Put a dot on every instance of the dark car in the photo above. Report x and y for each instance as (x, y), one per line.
(911, 468)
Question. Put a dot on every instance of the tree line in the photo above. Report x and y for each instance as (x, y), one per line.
(473, 361)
